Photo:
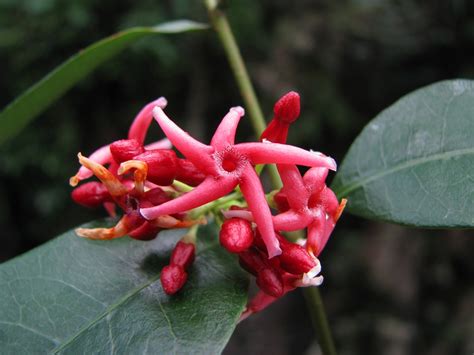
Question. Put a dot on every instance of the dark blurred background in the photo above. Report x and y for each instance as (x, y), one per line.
(388, 289)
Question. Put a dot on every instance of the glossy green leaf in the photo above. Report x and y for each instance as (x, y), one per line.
(45, 92)
(414, 163)
(78, 296)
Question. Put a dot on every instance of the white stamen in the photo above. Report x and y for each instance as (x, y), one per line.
(315, 270)
(311, 277)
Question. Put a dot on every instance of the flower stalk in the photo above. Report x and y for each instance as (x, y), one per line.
(224, 31)
(232, 51)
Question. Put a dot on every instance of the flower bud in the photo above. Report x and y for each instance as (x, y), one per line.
(156, 196)
(188, 173)
(295, 259)
(287, 109)
(252, 261)
(270, 282)
(236, 235)
(91, 194)
(259, 243)
(125, 149)
(183, 254)
(162, 165)
(173, 278)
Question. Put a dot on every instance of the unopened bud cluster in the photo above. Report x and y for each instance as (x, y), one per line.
(155, 190)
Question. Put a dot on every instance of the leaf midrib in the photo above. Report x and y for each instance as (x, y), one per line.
(117, 304)
(405, 165)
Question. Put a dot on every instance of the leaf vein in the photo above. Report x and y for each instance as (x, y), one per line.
(343, 192)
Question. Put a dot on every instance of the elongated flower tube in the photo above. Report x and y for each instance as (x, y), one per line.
(227, 165)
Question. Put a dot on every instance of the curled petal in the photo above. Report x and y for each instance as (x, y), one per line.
(101, 156)
(195, 151)
(114, 186)
(126, 224)
(275, 153)
(142, 121)
(168, 222)
(139, 176)
(225, 133)
(291, 221)
(209, 190)
(293, 186)
(254, 195)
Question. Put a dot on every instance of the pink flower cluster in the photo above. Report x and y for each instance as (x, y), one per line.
(142, 181)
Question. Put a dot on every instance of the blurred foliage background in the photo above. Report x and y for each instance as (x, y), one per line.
(388, 289)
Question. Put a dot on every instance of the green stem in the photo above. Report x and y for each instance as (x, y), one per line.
(319, 320)
(222, 27)
(219, 203)
(232, 51)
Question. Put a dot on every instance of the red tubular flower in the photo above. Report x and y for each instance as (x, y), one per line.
(226, 165)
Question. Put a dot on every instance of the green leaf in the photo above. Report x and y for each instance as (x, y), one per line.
(79, 296)
(45, 92)
(414, 163)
